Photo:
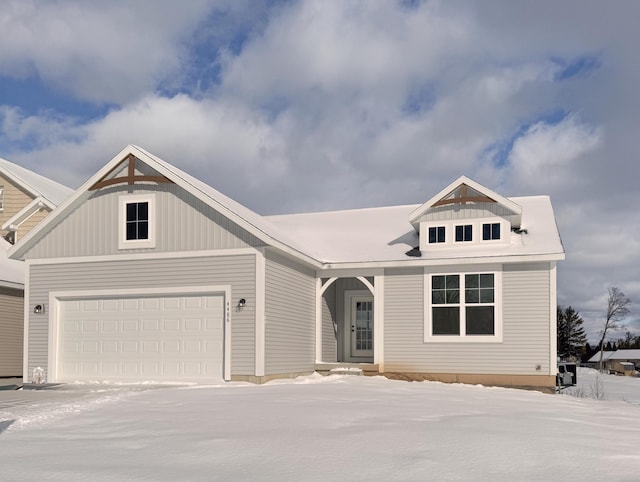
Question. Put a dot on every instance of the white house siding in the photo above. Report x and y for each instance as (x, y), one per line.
(184, 223)
(236, 271)
(289, 316)
(11, 332)
(329, 335)
(525, 343)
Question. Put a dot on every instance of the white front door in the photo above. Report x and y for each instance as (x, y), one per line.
(361, 326)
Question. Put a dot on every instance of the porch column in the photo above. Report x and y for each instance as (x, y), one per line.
(378, 321)
(318, 320)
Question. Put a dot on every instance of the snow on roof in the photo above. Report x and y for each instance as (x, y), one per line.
(11, 271)
(626, 355)
(385, 234)
(36, 184)
(596, 358)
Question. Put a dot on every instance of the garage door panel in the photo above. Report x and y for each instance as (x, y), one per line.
(143, 338)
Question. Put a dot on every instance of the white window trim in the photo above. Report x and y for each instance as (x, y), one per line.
(1, 198)
(476, 233)
(123, 242)
(496, 270)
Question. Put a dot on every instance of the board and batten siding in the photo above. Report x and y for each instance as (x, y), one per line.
(290, 323)
(329, 326)
(468, 211)
(183, 223)
(236, 271)
(11, 332)
(525, 345)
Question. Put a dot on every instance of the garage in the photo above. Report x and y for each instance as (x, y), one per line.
(133, 338)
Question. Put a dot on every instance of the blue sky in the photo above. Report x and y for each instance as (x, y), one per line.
(308, 105)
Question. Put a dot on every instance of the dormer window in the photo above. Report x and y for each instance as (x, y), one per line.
(490, 231)
(436, 234)
(464, 233)
(137, 221)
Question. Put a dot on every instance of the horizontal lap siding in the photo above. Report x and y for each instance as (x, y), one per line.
(183, 223)
(236, 271)
(289, 317)
(14, 200)
(11, 332)
(525, 343)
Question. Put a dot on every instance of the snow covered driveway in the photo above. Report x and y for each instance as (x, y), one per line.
(315, 428)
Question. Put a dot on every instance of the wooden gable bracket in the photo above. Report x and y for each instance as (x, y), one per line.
(464, 198)
(130, 178)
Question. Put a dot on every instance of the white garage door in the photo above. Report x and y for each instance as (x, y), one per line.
(142, 338)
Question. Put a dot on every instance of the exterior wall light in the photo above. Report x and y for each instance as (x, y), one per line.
(241, 304)
(38, 309)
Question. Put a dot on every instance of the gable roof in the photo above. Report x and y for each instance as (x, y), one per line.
(51, 191)
(456, 192)
(360, 237)
(236, 212)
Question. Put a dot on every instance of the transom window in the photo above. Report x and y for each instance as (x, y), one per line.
(490, 231)
(137, 221)
(464, 232)
(436, 234)
(463, 307)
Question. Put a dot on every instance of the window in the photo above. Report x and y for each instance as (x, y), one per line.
(490, 231)
(1, 198)
(137, 221)
(436, 235)
(464, 233)
(463, 307)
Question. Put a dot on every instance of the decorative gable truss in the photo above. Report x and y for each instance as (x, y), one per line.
(129, 171)
(465, 213)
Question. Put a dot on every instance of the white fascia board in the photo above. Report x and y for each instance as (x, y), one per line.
(529, 258)
(143, 256)
(28, 211)
(12, 285)
(419, 211)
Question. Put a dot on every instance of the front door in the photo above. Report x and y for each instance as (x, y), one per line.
(361, 326)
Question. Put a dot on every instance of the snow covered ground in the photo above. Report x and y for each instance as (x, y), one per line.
(320, 428)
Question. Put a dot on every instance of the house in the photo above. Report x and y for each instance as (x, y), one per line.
(617, 360)
(25, 199)
(146, 273)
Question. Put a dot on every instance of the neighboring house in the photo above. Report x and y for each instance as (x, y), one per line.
(25, 199)
(612, 359)
(11, 314)
(147, 273)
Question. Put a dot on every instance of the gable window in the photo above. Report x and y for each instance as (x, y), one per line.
(137, 221)
(464, 233)
(490, 231)
(436, 234)
(463, 307)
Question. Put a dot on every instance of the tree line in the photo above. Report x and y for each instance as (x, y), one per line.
(572, 342)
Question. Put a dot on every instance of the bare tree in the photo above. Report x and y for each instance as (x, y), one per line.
(616, 311)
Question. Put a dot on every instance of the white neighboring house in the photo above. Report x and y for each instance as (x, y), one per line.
(147, 273)
(26, 198)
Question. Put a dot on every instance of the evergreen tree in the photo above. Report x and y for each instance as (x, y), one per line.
(571, 337)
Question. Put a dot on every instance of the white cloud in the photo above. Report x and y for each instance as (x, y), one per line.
(101, 51)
